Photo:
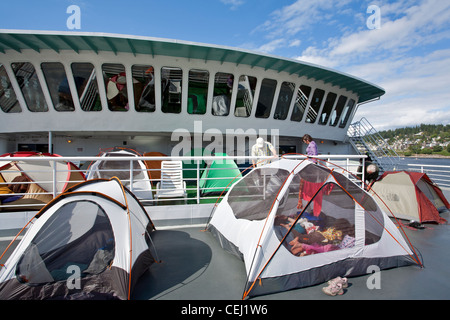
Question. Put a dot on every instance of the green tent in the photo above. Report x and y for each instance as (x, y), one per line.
(218, 175)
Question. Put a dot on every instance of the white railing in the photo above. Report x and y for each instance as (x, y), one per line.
(438, 173)
(348, 164)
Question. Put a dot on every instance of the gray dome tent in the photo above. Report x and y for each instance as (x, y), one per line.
(91, 242)
(297, 224)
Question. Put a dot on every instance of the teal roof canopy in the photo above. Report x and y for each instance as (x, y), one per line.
(18, 40)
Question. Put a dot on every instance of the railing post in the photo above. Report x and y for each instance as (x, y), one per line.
(363, 175)
(55, 182)
(131, 175)
(198, 181)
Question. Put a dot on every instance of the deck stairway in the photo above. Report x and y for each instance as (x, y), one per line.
(365, 139)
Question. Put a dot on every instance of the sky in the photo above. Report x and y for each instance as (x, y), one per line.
(402, 46)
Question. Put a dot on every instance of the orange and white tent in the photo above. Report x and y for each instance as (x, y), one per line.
(91, 242)
(296, 224)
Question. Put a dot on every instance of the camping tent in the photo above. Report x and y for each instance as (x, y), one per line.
(141, 186)
(34, 180)
(91, 242)
(410, 195)
(297, 224)
(219, 175)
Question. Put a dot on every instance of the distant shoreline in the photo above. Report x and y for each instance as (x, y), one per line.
(429, 156)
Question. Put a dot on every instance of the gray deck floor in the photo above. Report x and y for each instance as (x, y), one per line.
(194, 267)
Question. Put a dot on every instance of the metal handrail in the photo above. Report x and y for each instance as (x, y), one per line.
(440, 174)
(197, 194)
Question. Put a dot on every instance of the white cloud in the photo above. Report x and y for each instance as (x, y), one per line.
(316, 56)
(301, 15)
(417, 91)
(234, 4)
(403, 113)
(271, 46)
(408, 31)
(295, 43)
(408, 56)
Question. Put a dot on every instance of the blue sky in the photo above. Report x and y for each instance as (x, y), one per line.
(409, 55)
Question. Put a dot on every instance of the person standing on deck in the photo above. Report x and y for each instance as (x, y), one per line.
(262, 149)
(311, 149)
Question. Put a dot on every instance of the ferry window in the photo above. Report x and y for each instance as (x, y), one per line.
(284, 100)
(171, 86)
(301, 102)
(87, 88)
(245, 96)
(265, 99)
(314, 106)
(197, 91)
(338, 111)
(116, 86)
(327, 107)
(58, 86)
(144, 88)
(8, 99)
(31, 88)
(223, 88)
(347, 112)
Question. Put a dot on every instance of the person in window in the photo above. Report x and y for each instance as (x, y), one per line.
(116, 92)
(311, 149)
(262, 149)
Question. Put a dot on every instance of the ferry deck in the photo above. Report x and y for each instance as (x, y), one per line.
(193, 267)
(76, 93)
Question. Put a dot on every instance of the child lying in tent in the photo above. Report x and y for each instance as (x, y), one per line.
(317, 235)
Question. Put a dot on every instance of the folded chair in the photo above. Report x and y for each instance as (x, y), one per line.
(171, 184)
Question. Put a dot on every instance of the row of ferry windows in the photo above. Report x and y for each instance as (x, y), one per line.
(143, 82)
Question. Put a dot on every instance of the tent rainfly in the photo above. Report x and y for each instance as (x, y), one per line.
(297, 224)
(91, 242)
(219, 175)
(154, 166)
(29, 185)
(411, 196)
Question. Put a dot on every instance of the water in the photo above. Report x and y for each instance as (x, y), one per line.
(427, 161)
